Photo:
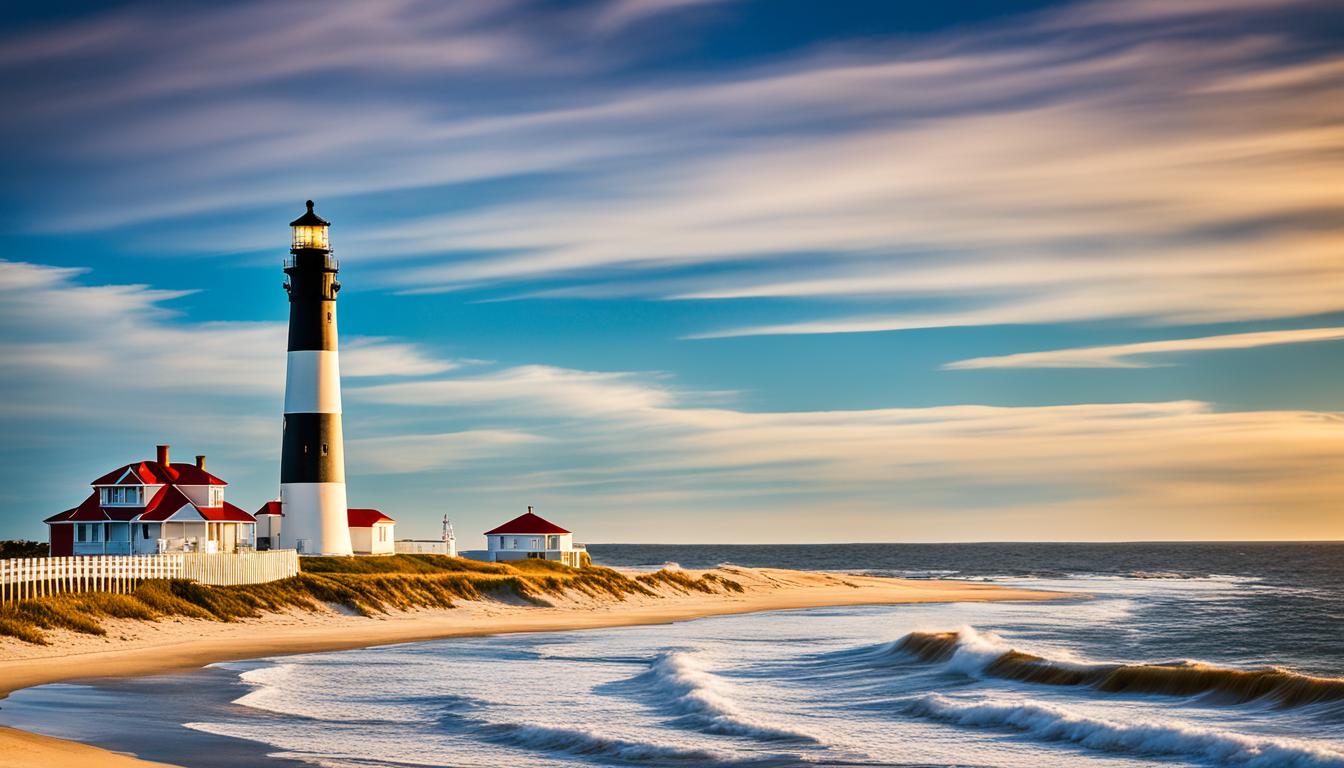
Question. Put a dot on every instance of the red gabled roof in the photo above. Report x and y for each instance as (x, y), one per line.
(141, 469)
(271, 508)
(167, 501)
(226, 513)
(527, 523)
(154, 473)
(89, 510)
(365, 518)
(190, 474)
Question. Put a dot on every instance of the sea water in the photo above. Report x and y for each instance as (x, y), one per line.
(1177, 655)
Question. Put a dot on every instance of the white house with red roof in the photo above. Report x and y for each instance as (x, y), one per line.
(529, 536)
(153, 506)
(370, 530)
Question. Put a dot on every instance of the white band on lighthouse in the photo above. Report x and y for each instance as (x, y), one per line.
(313, 383)
(315, 518)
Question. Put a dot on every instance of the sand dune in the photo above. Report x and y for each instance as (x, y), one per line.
(138, 648)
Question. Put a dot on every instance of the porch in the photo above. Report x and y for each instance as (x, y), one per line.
(160, 538)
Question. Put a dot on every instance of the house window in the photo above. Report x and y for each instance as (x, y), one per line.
(536, 543)
(144, 530)
(324, 449)
(82, 532)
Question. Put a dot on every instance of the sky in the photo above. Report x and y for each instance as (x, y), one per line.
(695, 270)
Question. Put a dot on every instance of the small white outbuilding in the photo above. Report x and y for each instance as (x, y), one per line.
(530, 536)
(371, 532)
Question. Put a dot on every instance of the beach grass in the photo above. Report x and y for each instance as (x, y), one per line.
(367, 586)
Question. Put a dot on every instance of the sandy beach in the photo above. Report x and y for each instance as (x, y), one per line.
(140, 648)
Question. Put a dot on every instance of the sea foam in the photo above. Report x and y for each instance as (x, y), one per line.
(678, 682)
(1047, 722)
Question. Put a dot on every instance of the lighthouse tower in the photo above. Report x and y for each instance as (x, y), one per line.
(312, 459)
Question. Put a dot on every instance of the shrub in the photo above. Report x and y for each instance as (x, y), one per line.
(22, 548)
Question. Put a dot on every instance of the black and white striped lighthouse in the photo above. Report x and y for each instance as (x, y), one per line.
(312, 459)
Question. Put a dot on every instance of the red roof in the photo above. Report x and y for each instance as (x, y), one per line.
(154, 473)
(87, 510)
(365, 518)
(164, 504)
(166, 501)
(271, 508)
(527, 523)
(226, 513)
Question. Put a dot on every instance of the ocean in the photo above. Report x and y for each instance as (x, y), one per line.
(1173, 654)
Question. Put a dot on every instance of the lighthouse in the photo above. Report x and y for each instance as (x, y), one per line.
(312, 458)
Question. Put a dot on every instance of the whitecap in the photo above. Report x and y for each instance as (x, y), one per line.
(1047, 722)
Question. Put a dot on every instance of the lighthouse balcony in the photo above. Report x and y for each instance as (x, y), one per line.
(329, 261)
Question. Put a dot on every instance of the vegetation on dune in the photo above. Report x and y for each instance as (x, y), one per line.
(708, 583)
(364, 585)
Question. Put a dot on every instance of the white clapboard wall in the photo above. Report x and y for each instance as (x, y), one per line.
(25, 577)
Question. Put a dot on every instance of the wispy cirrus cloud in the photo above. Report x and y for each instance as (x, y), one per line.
(997, 173)
(91, 345)
(622, 13)
(1123, 355)
(592, 443)
(616, 438)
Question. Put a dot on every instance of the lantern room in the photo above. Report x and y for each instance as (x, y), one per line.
(310, 231)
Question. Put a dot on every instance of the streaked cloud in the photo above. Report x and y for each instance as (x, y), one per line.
(594, 442)
(622, 13)
(1122, 355)
(64, 336)
(1129, 164)
(908, 466)
(408, 453)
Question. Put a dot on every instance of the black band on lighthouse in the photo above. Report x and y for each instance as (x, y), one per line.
(311, 451)
(312, 325)
(312, 300)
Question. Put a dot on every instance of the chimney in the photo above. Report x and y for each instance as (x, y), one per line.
(163, 455)
(200, 461)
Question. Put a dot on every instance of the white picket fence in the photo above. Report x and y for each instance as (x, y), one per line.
(25, 577)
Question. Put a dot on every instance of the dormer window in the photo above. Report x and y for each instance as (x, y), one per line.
(216, 496)
(132, 495)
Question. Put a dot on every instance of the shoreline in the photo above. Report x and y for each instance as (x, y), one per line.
(146, 648)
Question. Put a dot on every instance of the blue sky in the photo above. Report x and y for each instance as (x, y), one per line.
(696, 270)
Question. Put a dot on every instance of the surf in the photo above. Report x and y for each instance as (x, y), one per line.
(1051, 723)
(978, 653)
(678, 682)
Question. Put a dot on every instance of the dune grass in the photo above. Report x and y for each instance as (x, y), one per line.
(364, 585)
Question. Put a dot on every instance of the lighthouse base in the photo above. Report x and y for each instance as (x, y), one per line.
(316, 518)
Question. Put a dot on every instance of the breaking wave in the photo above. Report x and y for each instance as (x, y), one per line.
(1051, 723)
(678, 682)
(581, 742)
(978, 653)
